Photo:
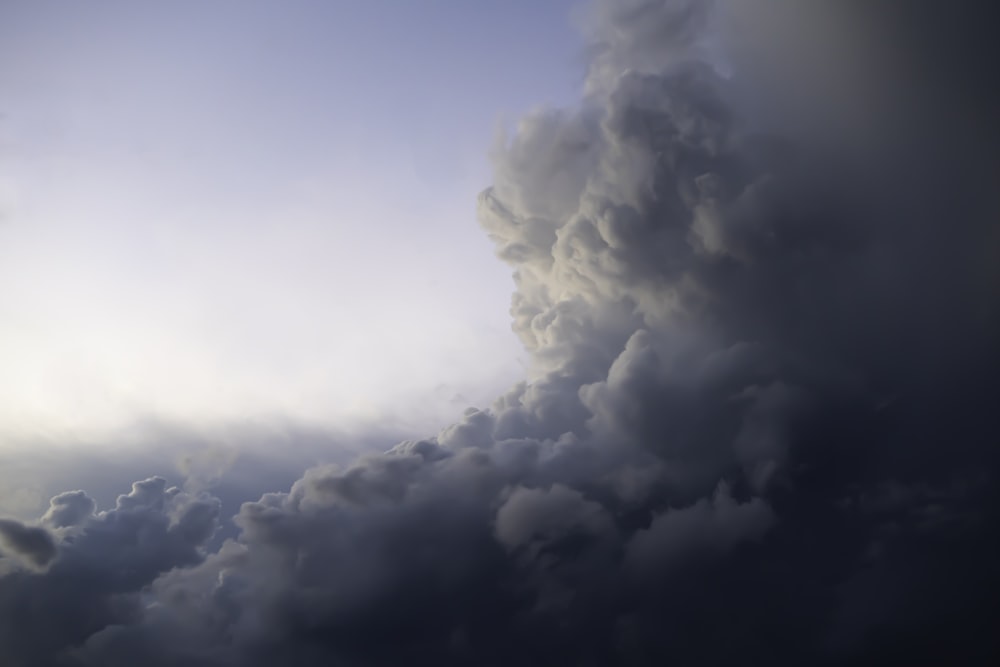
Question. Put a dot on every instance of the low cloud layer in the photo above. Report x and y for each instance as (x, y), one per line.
(758, 425)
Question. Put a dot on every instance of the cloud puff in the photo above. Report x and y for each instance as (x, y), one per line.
(31, 543)
(97, 565)
(705, 528)
(69, 509)
(761, 372)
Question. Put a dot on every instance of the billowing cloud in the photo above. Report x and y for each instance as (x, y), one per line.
(96, 566)
(759, 409)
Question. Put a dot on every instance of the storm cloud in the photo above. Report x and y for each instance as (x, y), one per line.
(758, 425)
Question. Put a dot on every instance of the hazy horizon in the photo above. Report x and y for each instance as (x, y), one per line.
(218, 211)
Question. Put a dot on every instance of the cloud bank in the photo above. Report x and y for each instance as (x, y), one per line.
(757, 426)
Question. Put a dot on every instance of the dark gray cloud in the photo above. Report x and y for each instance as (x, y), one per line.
(758, 424)
(30, 543)
(97, 565)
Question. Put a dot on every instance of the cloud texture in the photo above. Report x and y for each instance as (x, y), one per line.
(757, 428)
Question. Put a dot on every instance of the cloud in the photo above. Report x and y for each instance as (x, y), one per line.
(759, 404)
(97, 565)
(706, 528)
(69, 509)
(548, 515)
(31, 543)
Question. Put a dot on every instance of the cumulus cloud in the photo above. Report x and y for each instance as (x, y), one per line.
(69, 509)
(707, 527)
(759, 404)
(97, 565)
(30, 543)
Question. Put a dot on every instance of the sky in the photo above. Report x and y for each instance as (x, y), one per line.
(637, 333)
(218, 210)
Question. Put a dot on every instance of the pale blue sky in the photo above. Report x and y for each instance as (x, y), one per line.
(214, 210)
